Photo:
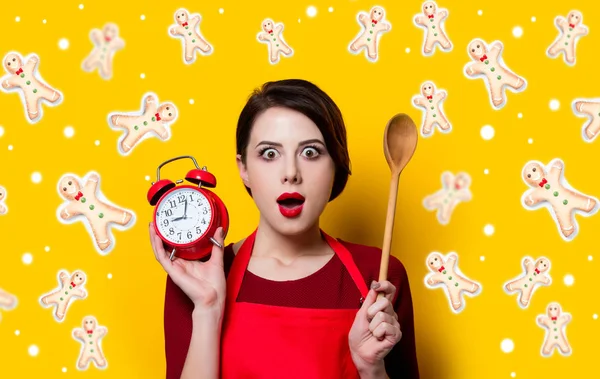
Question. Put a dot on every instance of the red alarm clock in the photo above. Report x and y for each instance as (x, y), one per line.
(187, 216)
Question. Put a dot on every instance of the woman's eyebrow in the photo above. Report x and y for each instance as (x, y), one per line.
(305, 142)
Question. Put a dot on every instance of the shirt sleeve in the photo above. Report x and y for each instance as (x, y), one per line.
(401, 361)
(177, 328)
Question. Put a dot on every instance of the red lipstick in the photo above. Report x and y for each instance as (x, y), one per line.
(290, 204)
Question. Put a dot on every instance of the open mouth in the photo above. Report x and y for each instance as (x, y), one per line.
(290, 202)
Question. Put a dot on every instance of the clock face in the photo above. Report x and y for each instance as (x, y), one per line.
(183, 216)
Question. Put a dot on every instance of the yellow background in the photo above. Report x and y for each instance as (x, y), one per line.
(130, 304)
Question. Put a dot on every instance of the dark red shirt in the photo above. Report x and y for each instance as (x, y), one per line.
(335, 289)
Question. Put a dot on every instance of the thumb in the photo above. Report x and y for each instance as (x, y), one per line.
(217, 253)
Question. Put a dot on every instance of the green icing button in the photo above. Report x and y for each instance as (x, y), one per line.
(547, 186)
(136, 127)
(83, 200)
(555, 193)
(145, 122)
(35, 90)
(100, 215)
(565, 202)
(92, 207)
(456, 284)
(28, 82)
(499, 77)
(22, 75)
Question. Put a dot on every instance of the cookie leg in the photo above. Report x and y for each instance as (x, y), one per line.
(100, 232)
(564, 346)
(444, 41)
(372, 49)
(526, 295)
(274, 56)
(548, 347)
(189, 51)
(285, 48)
(455, 297)
(583, 203)
(124, 121)
(427, 127)
(428, 45)
(496, 93)
(358, 43)
(98, 358)
(570, 53)
(592, 128)
(566, 221)
(49, 94)
(202, 45)
(90, 62)
(434, 201)
(513, 80)
(84, 360)
(554, 49)
(471, 287)
(61, 308)
(105, 68)
(118, 216)
(443, 122)
(447, 210)
(32, 106)
(131, 139)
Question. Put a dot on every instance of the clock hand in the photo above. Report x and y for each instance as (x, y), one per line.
(185, 209)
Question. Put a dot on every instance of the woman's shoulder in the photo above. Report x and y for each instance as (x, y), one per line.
(368, 260)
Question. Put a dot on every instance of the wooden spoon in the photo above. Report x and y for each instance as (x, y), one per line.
(399, 145)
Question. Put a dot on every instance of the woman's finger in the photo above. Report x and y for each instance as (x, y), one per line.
(159, 251)
(385, 287)
(385, 330)
(218, 249)
(380, 318)
(381, 305)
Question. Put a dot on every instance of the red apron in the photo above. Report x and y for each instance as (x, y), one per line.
(269, 342)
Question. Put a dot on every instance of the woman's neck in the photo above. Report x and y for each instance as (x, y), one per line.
(270, 243)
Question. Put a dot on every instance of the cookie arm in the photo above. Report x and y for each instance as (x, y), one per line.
(542, 321)
(440, 95)
(527, 264)
(434, 278)
(545, 279)
(451, 261)
(464, 195)
(386, 26)
(363, 18)
(195, 20)
(556, 170)
(583, 31)
(79, 292)
(560, 21)
(420, 19)
(496, 50)
(92, 184)
(447, 180)
(120, 43)
(262, 36)
(78, 333)
(150, 104)
(565, 318)
(101, 330)
(63, 277)
(419, 101)
(31, 64)
(96, 36)
(9, 81)
(532, 198)
(278, 28)
(175, 30)
(69, 211)
(442, 14)
(472, 69)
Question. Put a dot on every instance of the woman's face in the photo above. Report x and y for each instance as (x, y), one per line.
(286, 153)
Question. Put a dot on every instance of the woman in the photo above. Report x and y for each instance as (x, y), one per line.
(288, 301)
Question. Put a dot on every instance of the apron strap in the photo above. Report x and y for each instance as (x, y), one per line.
(346, 258)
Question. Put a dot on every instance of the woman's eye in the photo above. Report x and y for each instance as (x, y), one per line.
(270, 153)
(311, 152)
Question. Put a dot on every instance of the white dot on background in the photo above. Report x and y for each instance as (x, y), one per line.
(513, 374)
(507, 345)
(33, 350)
(298, 20)
(530, 141)
(486, 171)
(1, 131)
(69, 132)
(147, 177)
(487, 132)
(408, 50)
(554, 104)
(480, 12)
(590, 257)
(488, 230)
(17, 332)
(97, 143)
(594, 316)
(520, 115)
(517, 32)
(533, 19)
(330, 9)
(482, 258)
(142, 75)
(10, 147)
(17, 19)
(191, 101)
(63, 44)
(27, 258)
(109, 275)
(44, 21)
(36, 177)
(569, 280)
(47, 248)
(142, 17)
(64, 369)
(221, 10)
(311, 11)
(80, 6)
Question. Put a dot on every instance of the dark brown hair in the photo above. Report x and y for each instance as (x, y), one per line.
(308, 99)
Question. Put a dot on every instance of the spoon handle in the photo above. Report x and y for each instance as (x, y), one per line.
(389, 227)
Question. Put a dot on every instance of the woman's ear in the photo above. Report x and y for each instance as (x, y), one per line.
(242, 170)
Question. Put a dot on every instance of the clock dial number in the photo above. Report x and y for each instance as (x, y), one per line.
(183, 216)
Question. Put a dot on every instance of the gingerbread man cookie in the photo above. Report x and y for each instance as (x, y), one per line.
(550, 189)
(455, 189)
(85, 202)
(489, 66)
(570, 31)
(535, 274)
(272, 36)
(154, 119)
(373, 26)
(7, 301)
(90, 336)
(187, 28)
(445, 273)
(591, 110)
(3, 206)
(70, 287)
(23, 76)
(555, 322)
(106, 43)
(430, 101)
(432, 21)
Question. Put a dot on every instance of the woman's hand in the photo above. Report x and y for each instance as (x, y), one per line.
(203, 282)
(375, 331)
